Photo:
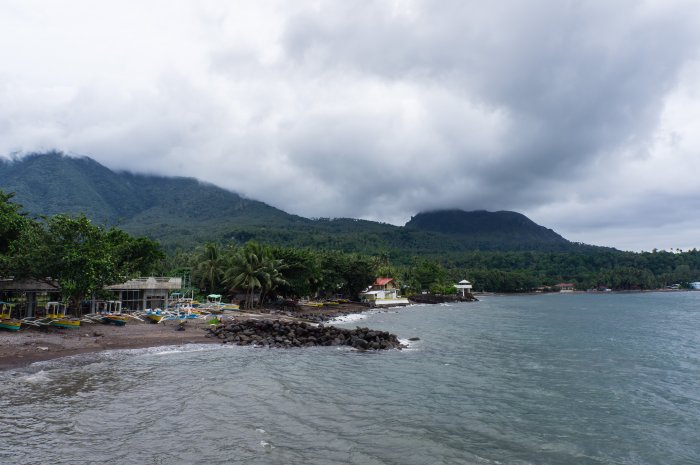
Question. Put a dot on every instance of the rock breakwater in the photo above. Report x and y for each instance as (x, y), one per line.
(287, 334)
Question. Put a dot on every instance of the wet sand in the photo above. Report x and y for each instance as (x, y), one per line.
(32, 345)
(29, 345)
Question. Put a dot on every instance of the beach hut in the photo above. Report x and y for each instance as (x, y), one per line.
(29, 294)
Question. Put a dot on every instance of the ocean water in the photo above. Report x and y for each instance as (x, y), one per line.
(552, 379)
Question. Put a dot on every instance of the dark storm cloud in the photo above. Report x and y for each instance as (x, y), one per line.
(576, 80)
(581, 114)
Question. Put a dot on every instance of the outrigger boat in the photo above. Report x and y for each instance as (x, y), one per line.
(215, 306)
(6, 320)
(154, 316)
(56, 316)
(114, 314)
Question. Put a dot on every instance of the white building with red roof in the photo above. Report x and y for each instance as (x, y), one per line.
(565, 287)
(383, 291)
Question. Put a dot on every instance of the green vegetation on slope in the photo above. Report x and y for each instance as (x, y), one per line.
(182, 213)
(501, 251)
(81, 256)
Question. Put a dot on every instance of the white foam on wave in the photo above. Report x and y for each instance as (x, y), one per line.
(266, 445)
(162, 350)
(40, 377)
(260, 430)
(349, 318)
(408, 345)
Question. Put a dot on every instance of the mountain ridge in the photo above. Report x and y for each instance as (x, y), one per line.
(184, 212)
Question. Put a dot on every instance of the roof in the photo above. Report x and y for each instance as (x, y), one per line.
(30, 285)
(464, 281)
(148, 283)
(565, 285)
(383, 281)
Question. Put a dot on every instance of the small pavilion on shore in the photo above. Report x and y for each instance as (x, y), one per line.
(465, 286)
(30, 294)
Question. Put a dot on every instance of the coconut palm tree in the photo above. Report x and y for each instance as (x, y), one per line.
(210, 267)
(273, 276)
(247, 271)
(254, 269)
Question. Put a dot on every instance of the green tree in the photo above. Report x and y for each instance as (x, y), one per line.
(210, 267)
(273, 277)
(135, 255)
(17, 236)
(84, 258)
(248, 271)
(302, 271)
(12, 222)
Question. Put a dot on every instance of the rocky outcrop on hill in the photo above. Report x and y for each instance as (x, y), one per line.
(287, 334)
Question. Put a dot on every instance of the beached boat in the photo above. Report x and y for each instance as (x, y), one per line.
(154, 315)
(113, 314)
(6, 320)
(56, 316)
(119, 320)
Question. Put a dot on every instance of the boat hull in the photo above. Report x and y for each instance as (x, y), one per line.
(10, 325)
(114, 320)
(65, 323)
(154, 318)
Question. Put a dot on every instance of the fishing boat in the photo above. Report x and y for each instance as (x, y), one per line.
(6, 320)
(56, 316)
(213, 304)
(154, 315)
(113, 314)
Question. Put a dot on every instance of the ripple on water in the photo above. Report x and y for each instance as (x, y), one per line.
(516, 380)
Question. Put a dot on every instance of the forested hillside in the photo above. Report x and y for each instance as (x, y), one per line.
(499, 251)
(183, 212)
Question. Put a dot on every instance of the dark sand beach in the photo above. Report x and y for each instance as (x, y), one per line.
(19, 349)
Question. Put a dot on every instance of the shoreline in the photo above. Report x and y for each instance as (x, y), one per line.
(21, 349)
(28, 346)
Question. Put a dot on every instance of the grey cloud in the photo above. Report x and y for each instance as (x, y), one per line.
(576, 79)
(380, 109)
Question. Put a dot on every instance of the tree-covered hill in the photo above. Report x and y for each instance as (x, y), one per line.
(175, 211)
(490, 230)
(184, 212)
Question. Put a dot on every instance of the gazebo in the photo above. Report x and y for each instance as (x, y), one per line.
(465, 286)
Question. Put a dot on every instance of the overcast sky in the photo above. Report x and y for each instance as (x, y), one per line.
(583, 115)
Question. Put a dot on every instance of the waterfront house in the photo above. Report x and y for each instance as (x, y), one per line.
(565, 287)
(383, 291)
(143, 293)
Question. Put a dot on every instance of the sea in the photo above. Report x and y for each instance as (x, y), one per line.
(548, 379)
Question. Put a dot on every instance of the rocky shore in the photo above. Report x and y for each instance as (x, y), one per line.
(287, 334)
(29, 345)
